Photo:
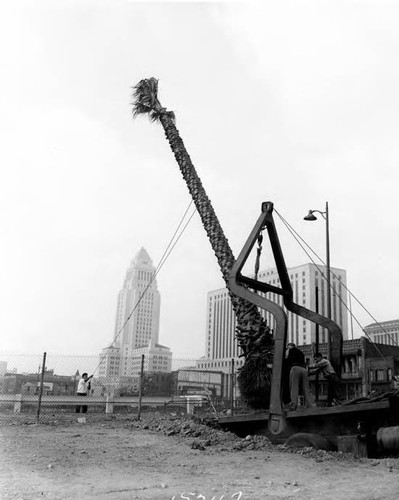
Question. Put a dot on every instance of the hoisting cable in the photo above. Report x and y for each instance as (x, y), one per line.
(159, 266)
(297, 237)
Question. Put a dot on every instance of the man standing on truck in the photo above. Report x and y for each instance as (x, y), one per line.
(323, 365)
(298, 377)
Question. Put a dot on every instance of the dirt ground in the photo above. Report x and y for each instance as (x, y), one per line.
(173, 457)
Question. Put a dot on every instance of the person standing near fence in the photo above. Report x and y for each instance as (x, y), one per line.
(83, 389)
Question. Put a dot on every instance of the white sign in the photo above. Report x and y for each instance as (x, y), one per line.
(47, 386)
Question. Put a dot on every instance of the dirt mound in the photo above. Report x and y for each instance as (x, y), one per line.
(205, 431)
(209, 435)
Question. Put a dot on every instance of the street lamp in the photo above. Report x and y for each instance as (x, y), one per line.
(312, 217)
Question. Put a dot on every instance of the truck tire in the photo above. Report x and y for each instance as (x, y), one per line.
(305, 439)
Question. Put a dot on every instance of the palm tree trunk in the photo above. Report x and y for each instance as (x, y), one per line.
(253, 334)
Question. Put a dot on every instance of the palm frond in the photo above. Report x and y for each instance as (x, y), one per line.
(145, 100)
(145, 96)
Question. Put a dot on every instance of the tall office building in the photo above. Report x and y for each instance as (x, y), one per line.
(138, 310)
(305, 281)
(136, 328)
(221, 345)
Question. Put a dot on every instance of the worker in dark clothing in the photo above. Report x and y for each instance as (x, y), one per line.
(334, 393)
(298, 377)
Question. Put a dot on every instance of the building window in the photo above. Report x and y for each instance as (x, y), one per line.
(380, 375)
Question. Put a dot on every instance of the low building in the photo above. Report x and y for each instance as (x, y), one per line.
(154, 384)
(3, 368)
(188, 381)
(18, 383)
(386, 332)
(366, 367)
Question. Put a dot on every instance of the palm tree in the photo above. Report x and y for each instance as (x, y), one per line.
(253, 334)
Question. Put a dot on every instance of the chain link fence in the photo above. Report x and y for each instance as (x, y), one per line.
(40, 388)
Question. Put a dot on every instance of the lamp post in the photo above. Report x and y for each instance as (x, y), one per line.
(316, 382)
(312, 217)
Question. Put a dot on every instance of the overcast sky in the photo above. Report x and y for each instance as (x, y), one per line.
(293, 102)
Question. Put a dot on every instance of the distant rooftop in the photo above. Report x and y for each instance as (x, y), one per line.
(383, 323)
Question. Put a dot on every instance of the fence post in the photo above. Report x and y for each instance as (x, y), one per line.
(109, 404)
(141, 387)
(17, 403)
(41, 387)
(232, 387)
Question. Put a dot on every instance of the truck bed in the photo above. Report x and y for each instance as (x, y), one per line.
(302, 412)
(357, 419)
